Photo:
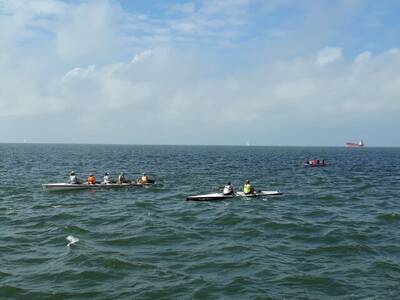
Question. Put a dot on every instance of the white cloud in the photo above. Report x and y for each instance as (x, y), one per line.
(272, 5)
(170, 87)
(140, 56)
(216, 21)
(166, 81)
(69, 60)
(80, 73)
(362, 57)
(185, 8)
(35, 7)
(328, 55)
(88, 32)
(296, 90)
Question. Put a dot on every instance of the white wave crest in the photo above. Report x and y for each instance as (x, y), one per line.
(72, 240)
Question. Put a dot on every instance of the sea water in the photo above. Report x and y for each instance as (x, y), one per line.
(334, 234)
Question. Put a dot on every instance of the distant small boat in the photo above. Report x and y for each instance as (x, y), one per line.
(315, 163)
(355, 145)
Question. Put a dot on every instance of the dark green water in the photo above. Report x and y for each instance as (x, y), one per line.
(333, 235)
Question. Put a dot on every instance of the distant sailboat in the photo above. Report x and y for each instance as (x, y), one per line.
(248, 144)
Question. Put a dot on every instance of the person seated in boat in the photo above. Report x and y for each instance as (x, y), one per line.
(73, 179)
(322, 163)
(91, 179)
(228, 189)
(121, 178)
(107, 178)
(144, 178)
(248, 187)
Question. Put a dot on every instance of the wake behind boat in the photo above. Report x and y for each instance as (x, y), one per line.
(221, 196)
(85, 186)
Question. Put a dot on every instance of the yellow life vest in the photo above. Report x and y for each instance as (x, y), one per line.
(247, 188)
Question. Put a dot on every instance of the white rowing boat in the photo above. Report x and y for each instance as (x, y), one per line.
(221, 196)
(84, 186)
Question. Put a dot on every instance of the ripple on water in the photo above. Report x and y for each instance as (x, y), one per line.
(389, 217)
(319, 283)
(228, 219)
(343, 250)
(333, 235)
(328, 197)
(12, 292)
(388, 265)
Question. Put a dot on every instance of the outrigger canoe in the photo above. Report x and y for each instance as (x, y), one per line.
(221, 196)
(85, 186)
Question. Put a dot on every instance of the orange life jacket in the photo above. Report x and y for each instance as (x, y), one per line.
(91, 180)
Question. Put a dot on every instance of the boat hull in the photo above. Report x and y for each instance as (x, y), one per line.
(355, 145)
(314, 166)
(85, 186)
(220, 196)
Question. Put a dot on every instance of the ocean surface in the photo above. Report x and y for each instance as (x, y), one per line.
(334, 234)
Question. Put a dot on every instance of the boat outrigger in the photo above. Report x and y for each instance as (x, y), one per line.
(221, 196)
(84, 186)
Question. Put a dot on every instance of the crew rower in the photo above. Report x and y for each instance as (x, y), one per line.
(144, 178)
(121, 178)
(107, 178)
(248, 188)
(228, 189)
(91, 179)
(73, 179)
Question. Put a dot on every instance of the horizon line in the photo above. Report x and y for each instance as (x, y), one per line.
(196, 145)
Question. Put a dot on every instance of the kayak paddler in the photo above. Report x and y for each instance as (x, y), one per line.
(248, 188)
(228, 189)
(91, 179)
(73, 179)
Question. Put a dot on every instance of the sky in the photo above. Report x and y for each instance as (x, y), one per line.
(227, 72)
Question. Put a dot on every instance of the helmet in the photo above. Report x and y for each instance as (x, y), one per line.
(106, 173)
(247, 181)
(72, 173)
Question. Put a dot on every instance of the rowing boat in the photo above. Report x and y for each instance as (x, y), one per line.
(84, 186)
(221, 196)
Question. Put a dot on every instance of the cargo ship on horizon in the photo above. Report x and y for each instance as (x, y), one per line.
(355, 145)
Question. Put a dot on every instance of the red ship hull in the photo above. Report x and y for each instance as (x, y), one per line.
(354, 145)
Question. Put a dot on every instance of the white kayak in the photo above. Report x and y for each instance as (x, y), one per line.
(84, 186)
(220, 196)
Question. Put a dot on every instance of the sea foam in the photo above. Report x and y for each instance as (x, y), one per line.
(72, 240)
